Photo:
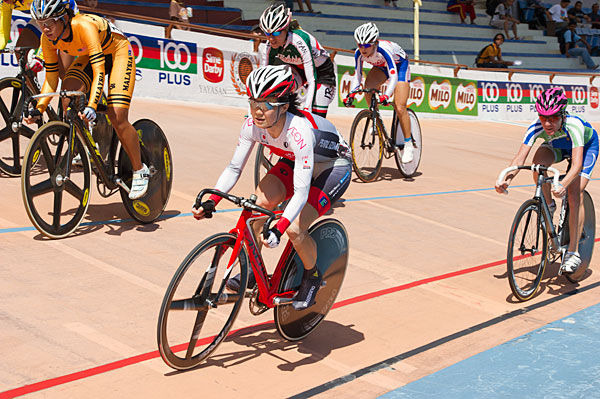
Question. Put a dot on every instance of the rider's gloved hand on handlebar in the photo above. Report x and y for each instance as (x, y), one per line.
(502, 187)
(88, 113)
(34, 63)
(560, 191)
(384, 99)
(32, 115)
(272, 238)
(205, 210)
(349, 100)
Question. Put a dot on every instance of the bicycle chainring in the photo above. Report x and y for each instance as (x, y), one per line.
(103, 190)
(256, 307)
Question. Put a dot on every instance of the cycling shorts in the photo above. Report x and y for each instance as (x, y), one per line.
(120, 68)
(323, 97)
(330, 180)
(34, 28)
(403, 70)
(590, 155)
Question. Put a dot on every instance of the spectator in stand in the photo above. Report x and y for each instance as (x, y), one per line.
(577, 15)
(595, 17)
(177, 12)
(539, 14)
(389, 3)
(576, 46)
(491, 55)
(462, 8)
(308, 5)
(503, 18)
(558, 15)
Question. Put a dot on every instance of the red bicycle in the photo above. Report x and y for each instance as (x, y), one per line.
(198, 298)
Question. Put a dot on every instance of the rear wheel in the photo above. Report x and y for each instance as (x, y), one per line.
(527, 251)
(367, 146)
(410, 168)
(197, 311)
(55, 201)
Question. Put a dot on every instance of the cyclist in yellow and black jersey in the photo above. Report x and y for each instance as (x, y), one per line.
(101, 49)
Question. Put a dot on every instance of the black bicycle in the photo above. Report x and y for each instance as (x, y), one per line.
(14, 135)
(370, 141)
(535, 241)
(56, 194)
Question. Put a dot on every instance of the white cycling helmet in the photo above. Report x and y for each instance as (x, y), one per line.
(43, 9)
(275, 18)
(366, 33)
(271, 81)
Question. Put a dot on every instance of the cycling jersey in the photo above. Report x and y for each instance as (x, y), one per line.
(6, 10)
(100, 49)
(390, 57)
(305, 141)
(303, 52)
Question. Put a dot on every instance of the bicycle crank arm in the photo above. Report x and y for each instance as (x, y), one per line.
(122, 184)
(281, 300)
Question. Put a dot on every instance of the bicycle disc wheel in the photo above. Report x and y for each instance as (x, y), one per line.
(367, 146)
(156, 154)
(12, 144)
(332, 258)
(194, 319)
(410, 168)
(527, 251)
(586, 243)
(55, 203)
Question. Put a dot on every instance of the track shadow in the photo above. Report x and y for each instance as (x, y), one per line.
(265, 340)
(389, 174)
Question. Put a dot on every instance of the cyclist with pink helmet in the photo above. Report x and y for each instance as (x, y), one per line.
(565, 136)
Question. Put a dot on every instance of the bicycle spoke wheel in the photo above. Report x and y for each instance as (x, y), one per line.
(410, 168)
(586, 243)
(156, 154)
(55, 202)
(198, 311)
(12, 143)
(527, 251)
(263, 162)
(367, 146)
(332, 258)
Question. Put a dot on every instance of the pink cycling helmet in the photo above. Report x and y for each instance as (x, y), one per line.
(551, 102)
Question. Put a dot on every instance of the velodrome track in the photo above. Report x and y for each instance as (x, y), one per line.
(425, 287)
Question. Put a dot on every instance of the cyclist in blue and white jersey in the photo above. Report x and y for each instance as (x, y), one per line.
(310, 61)
(390, 64)
(564, 136)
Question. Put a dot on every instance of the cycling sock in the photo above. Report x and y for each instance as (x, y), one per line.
(311, 273)
(406, 140)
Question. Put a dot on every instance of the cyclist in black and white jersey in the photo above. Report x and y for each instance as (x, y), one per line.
(313, 172)
(295, 47)
(390, 64)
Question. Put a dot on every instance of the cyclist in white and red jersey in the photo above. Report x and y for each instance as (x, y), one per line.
(314, 170)
(390, 64)
(295, 47)
(564, 136)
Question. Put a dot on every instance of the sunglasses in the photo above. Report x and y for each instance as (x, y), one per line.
(274, 34)
(366, 45)
(264, 105)
(48, 23)
(551, 118)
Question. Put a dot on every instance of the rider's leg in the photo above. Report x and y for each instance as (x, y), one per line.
(270, 192)
(64, 62)
(545, 156)
(119, 117)
(400, 99)
(298, 234)
(323, 97)
(375, 78)
(576, 211)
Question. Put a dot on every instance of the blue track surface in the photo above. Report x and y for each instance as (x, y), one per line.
(559, 360)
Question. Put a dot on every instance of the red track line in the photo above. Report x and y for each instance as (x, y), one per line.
(39, 386)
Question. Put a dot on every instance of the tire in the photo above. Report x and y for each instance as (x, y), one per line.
(43, 185)
(12, 144)
(587, 241)
(197, 284)
(528, 237)
(410, 169)
(156, 154)
(367, 148)
(332, 255)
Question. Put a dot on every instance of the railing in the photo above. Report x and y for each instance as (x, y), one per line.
(334, 50)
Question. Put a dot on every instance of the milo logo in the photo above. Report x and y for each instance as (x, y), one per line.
(466, 97)
(440, 94)
(417, 91)
(346, 85)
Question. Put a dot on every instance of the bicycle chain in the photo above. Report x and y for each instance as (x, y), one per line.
(256, 307)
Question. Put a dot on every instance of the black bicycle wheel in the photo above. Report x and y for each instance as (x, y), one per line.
(367, 146)
(55, 202)
(263, 162)
(156, 154)
(12, 143)
(527, 250)
(587, 240)
(410, 168)
(332, 258)
(197, 302)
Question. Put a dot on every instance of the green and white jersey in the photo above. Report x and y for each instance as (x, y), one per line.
(575, 132)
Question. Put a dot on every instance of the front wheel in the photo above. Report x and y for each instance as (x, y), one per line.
(156, 154)
(55, 201)
(410, 168)
(332, 258)
(367, 146)
(527, 250)
(197, 302)
(587, 240)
